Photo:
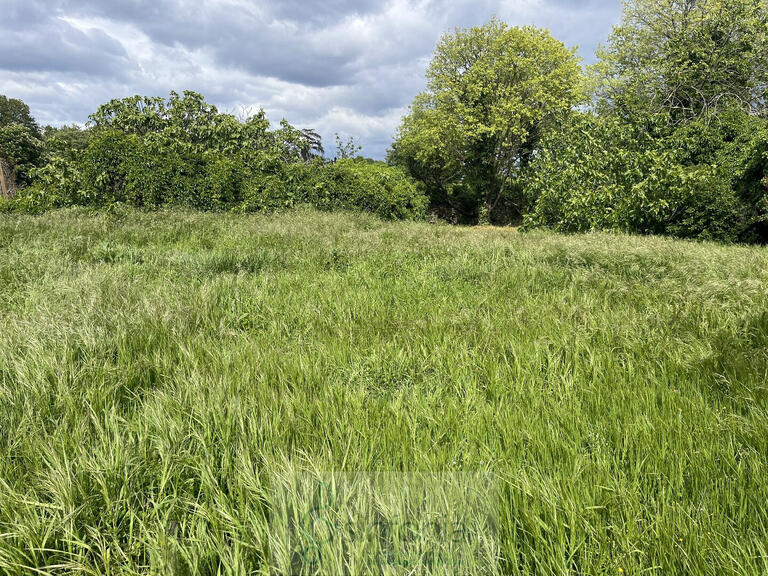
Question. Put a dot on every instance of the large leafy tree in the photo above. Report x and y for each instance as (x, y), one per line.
(693, 74)
(671, 61)
(492, 92)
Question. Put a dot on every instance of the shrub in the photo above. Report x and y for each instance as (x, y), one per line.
(371, 186)
(119, 167)
(153, 177)
(147, 152)
(57, 184)
(106, 164)
(267, 192)
(597, 173)
(576, 182)
(343, 185)
(219, 182)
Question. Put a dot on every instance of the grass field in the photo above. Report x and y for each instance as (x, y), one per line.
(169, 380)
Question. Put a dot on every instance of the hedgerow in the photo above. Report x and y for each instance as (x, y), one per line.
(148, 153)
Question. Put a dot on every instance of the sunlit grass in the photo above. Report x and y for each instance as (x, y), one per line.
(161, 373)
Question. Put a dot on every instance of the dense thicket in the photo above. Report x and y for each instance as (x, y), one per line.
(151, 152)
(701, 180)
(674, 139)
(677, 138)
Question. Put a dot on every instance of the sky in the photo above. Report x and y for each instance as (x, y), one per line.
(337, 66)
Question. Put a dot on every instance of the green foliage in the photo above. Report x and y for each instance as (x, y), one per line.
(149, 152)
(56, 173)
(672, 61)
(67, 142)
(120, 167)
(370, 186)
(601, 173)
(342, 185)
(14, 111)
(22, 149)
(744, 156)
(106, 164)
(678, 142)
(154, 175)
(187, 125)
(675, 140)
(492, 93)
(58, 183)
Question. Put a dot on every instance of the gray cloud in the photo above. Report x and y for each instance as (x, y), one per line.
(336, 65)
(35, 40)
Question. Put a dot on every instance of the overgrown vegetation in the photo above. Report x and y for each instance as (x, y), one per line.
(674, 138)
(676, 141)
(160, 373)
(152, 152)
(190, 386)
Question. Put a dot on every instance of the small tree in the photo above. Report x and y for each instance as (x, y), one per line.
(347, 149)
(21, 150)
(14, 111)
(313, 145)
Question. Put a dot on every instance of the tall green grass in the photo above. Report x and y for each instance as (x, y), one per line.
(162, 373)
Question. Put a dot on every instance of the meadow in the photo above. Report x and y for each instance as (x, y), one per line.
(163, 375)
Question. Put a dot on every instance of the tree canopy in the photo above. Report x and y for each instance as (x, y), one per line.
(686, 59)
(676, 140)
(492, 92)
(20, 138)
(14, 111)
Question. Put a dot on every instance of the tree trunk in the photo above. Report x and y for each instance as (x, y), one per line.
(3, 186)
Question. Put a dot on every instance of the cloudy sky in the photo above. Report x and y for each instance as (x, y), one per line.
(343, 66)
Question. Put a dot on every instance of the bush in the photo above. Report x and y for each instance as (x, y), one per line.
(105, 166)
(218, 182)
(597, 173)
(121, 167)
(57, 184)
(153, 177)
(267, 192)
(577, 181)
(343, 185)
(370, 186)
(117, 167)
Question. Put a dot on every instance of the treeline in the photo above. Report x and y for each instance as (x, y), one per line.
(666, 134)
(181, 151)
